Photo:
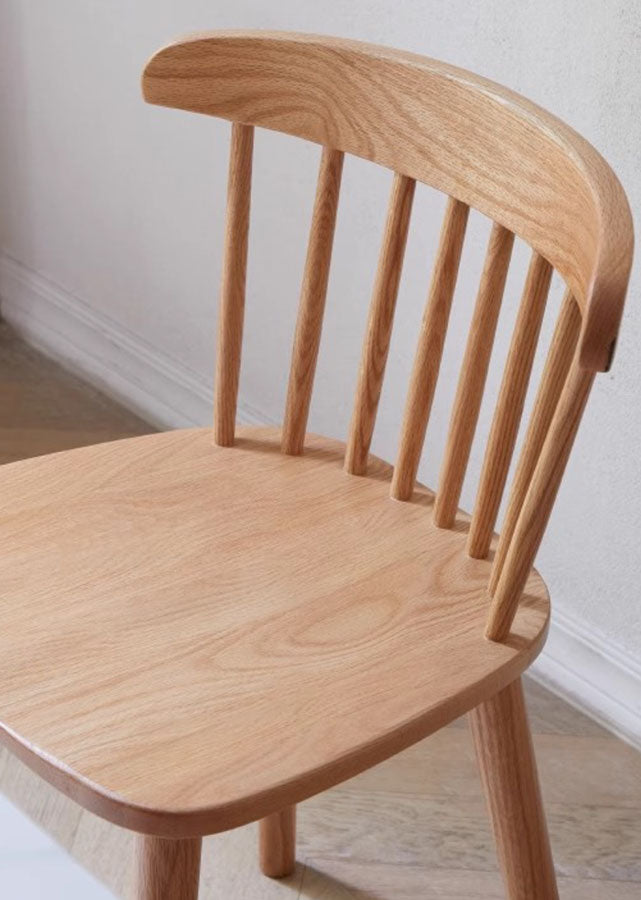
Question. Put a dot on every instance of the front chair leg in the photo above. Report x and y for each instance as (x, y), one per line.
(508, 770)
(277, 839)
(166, 869)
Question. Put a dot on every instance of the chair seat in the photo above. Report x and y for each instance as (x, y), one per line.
(194, 636)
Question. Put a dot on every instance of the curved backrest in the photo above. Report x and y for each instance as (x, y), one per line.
(486, 148)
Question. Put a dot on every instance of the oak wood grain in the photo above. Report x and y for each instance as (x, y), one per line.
(232, 290)
(486, 148)
(170, 607)
(312, 301)
(277, 840)
(555, 372)
(469, 393)
(462, 134)
(217, 595)
(509, 407)
(508, 770)
(166, 869)
(539, 500)
(379, 325)
(430, 348)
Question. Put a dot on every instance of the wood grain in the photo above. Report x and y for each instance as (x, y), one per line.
(430, 348)
(170, 607)
(312, 301)
(485, 147)
(469, 393)
(337, 878)
(508, 771)
(539, 500)
(216, 596)
(412, 815)
(432, 847)
(555, 372)
(232, 290)
(379, 326)
(464, 135)
(277, 839)
(509, 407)
(166, 869)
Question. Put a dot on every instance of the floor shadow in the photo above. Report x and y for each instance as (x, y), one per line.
(319, 885)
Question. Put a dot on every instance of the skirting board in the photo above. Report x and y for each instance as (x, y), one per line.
(578, 665)
(150, 383)
(592, 674)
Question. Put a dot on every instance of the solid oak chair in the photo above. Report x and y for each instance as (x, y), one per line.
(199, 633)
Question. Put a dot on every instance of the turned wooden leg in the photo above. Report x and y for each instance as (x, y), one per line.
(277, 838)
(166, 869)
(508, 770)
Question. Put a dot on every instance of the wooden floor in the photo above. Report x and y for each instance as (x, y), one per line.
(414, 827)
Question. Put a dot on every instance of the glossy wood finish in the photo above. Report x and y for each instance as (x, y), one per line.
(166, 869)
(232, 291)
(539, 500)
(430, 348)
(508, 770)
(466, 136)
(469, 393)
(170, 586)
(509, 407)
(379, 326)
(555, 373)
(312, 301)
(277, 839)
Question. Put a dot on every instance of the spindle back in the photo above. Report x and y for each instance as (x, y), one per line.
(486, 148)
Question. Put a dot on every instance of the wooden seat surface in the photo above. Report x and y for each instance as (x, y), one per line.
(195, 636)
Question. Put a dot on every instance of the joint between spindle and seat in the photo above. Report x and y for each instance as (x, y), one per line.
(312, 301)
(430, 348)
(379, 326)
(469, 393)
(509, 407)
(232, 291)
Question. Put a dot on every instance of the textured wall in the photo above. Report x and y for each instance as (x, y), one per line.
(121, 205)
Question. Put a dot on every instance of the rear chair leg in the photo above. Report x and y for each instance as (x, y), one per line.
(277, 839)
(508, 771)
(166, 869)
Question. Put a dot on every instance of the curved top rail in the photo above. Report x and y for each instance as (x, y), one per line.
(469, 137)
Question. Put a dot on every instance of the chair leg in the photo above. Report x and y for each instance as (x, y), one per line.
(508, 771)
(166, 869)
(277, 839)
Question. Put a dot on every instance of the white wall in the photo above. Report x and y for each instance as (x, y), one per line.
(111, 219)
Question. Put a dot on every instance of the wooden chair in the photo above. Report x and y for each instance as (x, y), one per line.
(199, 633)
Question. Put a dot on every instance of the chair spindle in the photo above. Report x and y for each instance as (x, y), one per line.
(430, 348)
(509, 407)
(232, 292)
(469, 393)
(555, 372)
(312, 301)
(539, 501)
(379, 326)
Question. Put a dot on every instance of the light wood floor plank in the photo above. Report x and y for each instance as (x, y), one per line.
(335, 879)
(44, 804)
(572, 769)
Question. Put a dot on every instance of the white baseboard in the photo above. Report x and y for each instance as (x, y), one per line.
(578, 665)
(160, 389)
(594, 675)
